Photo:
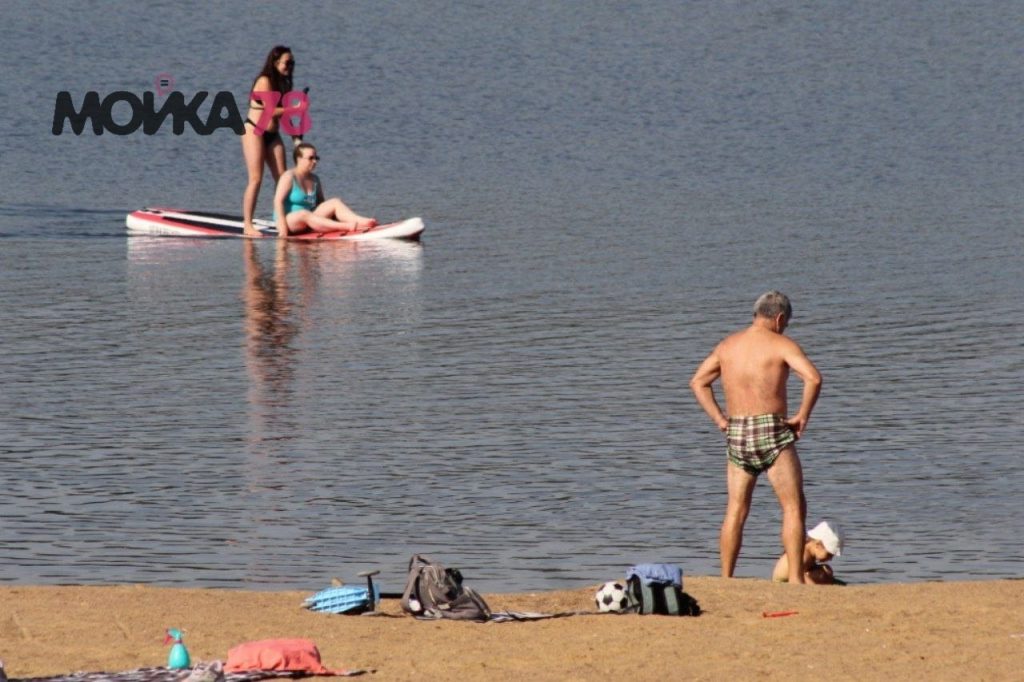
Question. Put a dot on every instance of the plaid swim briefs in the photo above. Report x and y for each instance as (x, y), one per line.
(753, 443)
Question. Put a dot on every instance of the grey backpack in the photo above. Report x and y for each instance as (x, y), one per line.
(433, 591)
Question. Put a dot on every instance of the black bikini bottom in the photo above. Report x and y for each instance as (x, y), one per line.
(269, 136)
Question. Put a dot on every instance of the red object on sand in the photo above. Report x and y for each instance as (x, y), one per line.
(778, 614)
(295, 655)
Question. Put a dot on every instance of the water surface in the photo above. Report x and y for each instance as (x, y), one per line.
(606, 192)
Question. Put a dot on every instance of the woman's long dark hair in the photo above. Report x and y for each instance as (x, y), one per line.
(281, 84)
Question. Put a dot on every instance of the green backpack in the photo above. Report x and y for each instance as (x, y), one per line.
(657, 589)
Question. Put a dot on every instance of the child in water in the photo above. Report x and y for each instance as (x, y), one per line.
(824, 541)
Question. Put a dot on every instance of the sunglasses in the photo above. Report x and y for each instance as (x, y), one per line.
(312, 158)
(290, 63)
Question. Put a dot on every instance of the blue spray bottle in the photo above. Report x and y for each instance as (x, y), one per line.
(178, 658)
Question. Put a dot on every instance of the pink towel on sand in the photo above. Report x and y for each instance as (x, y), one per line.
(299, 655)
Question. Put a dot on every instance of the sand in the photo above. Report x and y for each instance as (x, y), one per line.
(935, 631)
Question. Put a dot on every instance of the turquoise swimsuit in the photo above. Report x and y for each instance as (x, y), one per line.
(298, 200)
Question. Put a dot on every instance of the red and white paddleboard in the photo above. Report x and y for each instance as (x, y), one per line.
(172, 222)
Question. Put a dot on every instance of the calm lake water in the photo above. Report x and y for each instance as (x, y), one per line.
(607, 188)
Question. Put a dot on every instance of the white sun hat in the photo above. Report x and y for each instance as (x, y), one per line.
(829, 535)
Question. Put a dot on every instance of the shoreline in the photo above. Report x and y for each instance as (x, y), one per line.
(955, 630)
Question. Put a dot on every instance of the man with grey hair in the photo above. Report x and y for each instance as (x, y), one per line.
(754, 364)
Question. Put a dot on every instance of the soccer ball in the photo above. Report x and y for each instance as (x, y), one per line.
(612, 597)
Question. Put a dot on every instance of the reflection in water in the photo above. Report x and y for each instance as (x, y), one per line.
(273, 321)
(396, 257)
(144, 249)
(281, 305)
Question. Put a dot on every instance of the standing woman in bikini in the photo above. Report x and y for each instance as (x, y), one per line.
(267, 147)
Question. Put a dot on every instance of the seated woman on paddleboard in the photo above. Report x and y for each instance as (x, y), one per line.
(264, 145)
(299, 204)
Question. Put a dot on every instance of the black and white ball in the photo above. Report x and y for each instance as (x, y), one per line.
(612, 597)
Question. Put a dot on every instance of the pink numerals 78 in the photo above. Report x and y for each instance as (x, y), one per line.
(295, 104)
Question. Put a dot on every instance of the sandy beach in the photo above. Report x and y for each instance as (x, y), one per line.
(936, 631)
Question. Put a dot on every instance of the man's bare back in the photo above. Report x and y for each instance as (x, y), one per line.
(753, 365)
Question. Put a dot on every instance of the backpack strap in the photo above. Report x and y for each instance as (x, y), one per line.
(411, 600)
(640, 594)
(672, 598)
(468, 605)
